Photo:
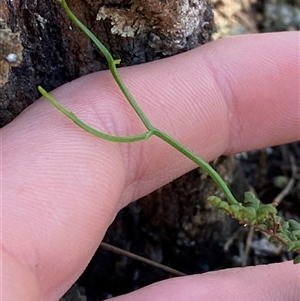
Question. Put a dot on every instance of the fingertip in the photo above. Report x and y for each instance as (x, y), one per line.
(259, 78)
(268, 283)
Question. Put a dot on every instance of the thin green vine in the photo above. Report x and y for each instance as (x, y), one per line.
(263, 217)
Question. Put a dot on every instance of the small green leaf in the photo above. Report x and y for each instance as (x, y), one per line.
(285, 226)
(293, 245)
(217, 202)
(248, 195)
(264, 212)
(294, 225)
(214, 200)
(296, 233)
(250, 200)
(280, 181)
(249, 215)
(235, 210)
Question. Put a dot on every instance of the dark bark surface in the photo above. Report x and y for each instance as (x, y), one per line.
(56, 51)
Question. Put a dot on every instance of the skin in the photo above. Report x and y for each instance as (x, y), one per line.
(62, 187)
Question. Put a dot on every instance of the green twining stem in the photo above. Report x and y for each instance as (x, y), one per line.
(151, 129)
(111, 64)
(201, 163)
(89, 129)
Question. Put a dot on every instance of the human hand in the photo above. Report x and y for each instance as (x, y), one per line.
(62, 187)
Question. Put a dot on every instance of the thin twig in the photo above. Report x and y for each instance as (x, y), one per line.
(157, 265)
(232, 238)
(289, 185)
(248, 246)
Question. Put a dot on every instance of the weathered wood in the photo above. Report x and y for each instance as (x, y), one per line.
(56, 51)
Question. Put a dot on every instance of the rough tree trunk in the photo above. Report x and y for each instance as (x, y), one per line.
(175, 225)
(56, 51)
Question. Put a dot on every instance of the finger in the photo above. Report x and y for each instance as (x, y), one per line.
(230, 96)
(64, 186)
(238, 96)
(266, 283)
(58, 199)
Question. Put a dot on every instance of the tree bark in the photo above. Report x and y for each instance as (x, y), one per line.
(56, 51)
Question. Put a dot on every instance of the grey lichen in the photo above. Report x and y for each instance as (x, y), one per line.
(124, 21)
(10, 51)
(169, 23)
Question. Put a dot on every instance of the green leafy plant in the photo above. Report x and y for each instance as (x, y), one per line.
(263, 217)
